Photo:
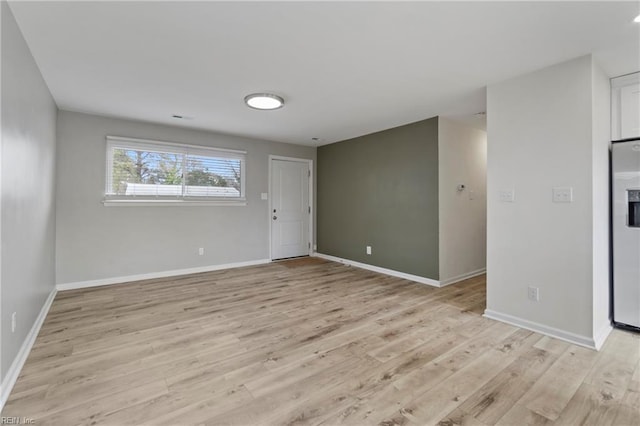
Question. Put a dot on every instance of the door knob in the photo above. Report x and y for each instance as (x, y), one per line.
(275, 217)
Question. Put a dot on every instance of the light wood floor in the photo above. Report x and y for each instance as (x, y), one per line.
(311, 342)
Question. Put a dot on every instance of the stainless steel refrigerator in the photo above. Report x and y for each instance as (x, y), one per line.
(625, 182)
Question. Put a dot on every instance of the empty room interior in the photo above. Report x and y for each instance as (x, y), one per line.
(288, 213)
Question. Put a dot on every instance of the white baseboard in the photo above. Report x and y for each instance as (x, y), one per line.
(567, 336)
(601, 335)
(18, 362)
(163, 274)
(462, 277)
(416, 278)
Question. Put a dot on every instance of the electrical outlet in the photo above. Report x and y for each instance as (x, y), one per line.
(369, 250)
(13, 322)
(507, 195)
(201, 251)
(562, 194)
(533, 294)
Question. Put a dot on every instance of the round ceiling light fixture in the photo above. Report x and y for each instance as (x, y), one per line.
(264, 101)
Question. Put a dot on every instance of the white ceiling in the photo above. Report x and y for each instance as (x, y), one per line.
(344, 69)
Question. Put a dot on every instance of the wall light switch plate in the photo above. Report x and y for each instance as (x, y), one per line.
(562, 194)
(264, 196)
(507, 195)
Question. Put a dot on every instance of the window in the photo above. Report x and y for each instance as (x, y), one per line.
(149, 171)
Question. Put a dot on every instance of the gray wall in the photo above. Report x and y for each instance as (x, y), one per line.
(96, 242)
(540, 135)
(382, 190)
(28, 215)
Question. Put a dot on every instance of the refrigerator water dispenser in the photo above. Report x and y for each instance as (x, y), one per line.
(633, 197)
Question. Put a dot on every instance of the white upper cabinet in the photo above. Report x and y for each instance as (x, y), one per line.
(625, 107)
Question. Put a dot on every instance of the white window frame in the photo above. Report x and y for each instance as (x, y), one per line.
(114, 142)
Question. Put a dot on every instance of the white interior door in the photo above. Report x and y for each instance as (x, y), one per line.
(290, 209)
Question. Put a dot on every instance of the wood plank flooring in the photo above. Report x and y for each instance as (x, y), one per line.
(311, 342)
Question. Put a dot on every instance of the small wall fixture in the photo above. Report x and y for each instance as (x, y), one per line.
(637, 19)
(264, 101)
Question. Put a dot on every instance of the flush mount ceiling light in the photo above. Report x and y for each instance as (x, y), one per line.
(264, 101)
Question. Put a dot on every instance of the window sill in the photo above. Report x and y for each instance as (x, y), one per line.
(173, 203)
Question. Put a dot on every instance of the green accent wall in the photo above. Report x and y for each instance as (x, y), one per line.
(381, 190)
